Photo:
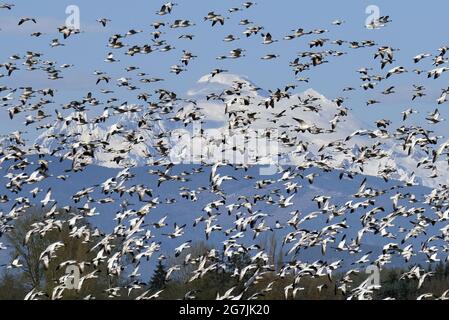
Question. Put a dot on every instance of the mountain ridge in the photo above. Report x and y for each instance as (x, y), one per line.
(318, 113)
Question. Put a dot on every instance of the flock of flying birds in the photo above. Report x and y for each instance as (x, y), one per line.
(135, 232)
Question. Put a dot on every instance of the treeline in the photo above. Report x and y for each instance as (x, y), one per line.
(179, 277)
(392, 285)
(26, 247)
(401, 288)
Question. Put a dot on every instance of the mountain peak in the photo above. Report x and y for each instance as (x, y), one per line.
(223, 78)
(219, 82)
(313, 93)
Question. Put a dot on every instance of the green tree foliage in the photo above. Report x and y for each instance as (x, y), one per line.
(158, 281)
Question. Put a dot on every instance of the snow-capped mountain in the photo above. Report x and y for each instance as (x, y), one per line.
(138, 153)
(224, 133)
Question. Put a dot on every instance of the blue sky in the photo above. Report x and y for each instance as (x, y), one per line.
(417, 27)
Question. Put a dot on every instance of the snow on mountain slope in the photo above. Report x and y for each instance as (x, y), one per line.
(403, 166)
(213, 84)
(137, 155)
(226, 132)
